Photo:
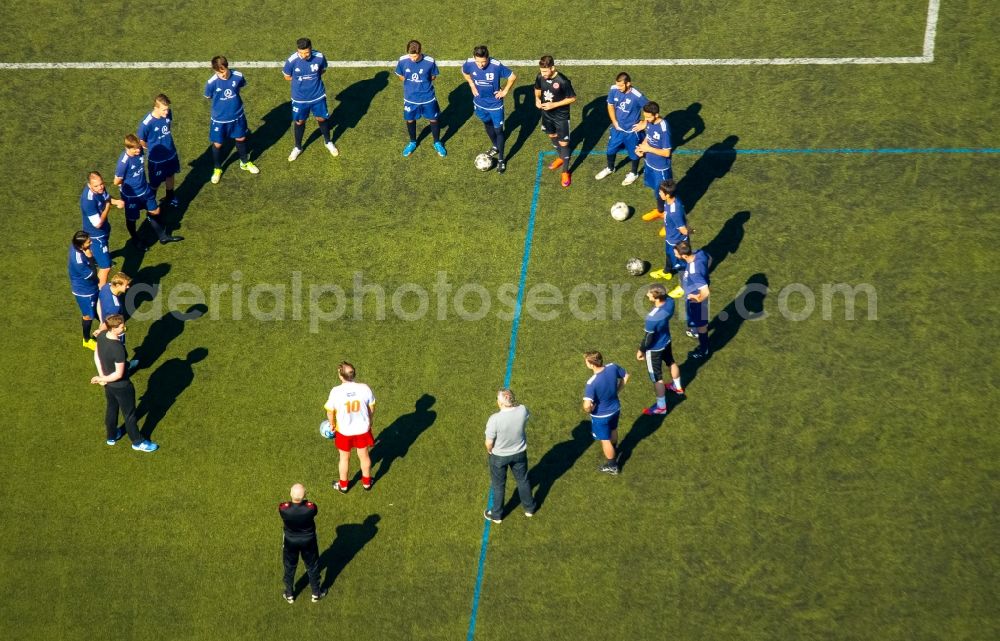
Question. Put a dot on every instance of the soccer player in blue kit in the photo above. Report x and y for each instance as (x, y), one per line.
(228, 117)
(656, 149)
(674, 230)
(83, 283)
(130, 175)
(600, 400)
(304, 69)
(418, 72)
(625, 104)
(655, 348)
(95, 204)
(484, 74)
(694, 279)
(155, 133)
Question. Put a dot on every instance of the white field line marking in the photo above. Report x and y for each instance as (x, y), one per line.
(930, 35)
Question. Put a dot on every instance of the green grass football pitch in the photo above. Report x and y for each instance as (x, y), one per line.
(824, 478)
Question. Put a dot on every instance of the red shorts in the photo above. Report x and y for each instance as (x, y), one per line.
(345, 443)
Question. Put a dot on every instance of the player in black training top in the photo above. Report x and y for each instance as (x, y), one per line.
(553, 95)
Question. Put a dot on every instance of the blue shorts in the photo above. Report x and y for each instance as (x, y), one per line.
(220, 132)
(99, 248)
(301, 110)
(653, 177)
(601, 427)
(87, 304)
(697, 313)
(673, 262)
(495, 116)
(135, 205)
(160, 171)
(625, 140)
(428, 110)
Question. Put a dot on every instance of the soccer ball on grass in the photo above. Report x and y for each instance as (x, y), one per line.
(620, 211)
(635, 266)
(484, 162)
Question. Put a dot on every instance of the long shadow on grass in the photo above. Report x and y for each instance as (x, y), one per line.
(593, 127)
(354, 102)
(165, 384)
(395, 440)
(714, 163)
(145, 285)
(747, 305)
(553, 464)
(275, 125)
(456, 112)
(163, 331)
(643, 427)
(683, 121)
(524, 118)
(349, 540)
(728, 240)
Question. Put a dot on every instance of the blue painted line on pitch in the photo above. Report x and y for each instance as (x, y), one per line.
(511, 352)
(526, 256)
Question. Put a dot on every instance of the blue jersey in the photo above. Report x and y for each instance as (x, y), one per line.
(695, 275)
(158, 136)
(487, 82)
(658, 137)
(82, 276)
(91, 207)
(602, 391)
(628, 106)
(307, 76)
(227, 106)
(658, 325)
(674, 219)
(109, 302)
(418, 86)
(132, 171)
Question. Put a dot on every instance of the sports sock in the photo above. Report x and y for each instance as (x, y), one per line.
(660, 204)
(217, 156)
(411, 129)
(132, 232)
(635, 166)
(161, 233)
(324, 128)
(86, 324)
(366, 480)
(436, 130)
(500, 143)
(703, 342)
(564, 153)
(492, 133)
(241, 149)
(677, 383)
(343, 484)
(661, 401)
(555, 144)
(169, 194)
(611, 162)
(299, 131)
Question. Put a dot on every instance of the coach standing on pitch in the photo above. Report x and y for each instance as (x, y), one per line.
(507, 446)
(299, 516)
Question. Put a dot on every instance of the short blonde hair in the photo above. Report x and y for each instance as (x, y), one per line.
(506, 397)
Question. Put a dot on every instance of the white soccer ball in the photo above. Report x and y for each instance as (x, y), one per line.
(484, 162)
(325, 430)
(619, 211)
(635, 266)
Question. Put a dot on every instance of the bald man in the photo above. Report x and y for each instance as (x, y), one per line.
(299, 516)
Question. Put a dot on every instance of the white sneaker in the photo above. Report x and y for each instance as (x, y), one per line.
(604, 173)
(629, 179)
(295, 154)
(333, 148)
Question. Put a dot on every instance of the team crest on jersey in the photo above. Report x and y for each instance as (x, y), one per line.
(555, 85)
(655, 135)
(228, 94)
(165, 131)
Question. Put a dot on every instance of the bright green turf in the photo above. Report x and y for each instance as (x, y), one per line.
(825, 479)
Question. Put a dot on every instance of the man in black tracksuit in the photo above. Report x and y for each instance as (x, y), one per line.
(299, 516)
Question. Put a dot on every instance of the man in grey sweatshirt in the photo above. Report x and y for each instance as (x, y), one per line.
(507, 446)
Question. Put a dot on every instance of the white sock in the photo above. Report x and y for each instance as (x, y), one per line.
(661, 401)
(677, 383)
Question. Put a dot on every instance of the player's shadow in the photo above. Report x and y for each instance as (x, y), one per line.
(163, 331)
(394, 441)
(553, 464)
(714, 163)
(593, 127)
(350, 539)
(457, 111)
(643, 427)
(165, 384)
(274, 126)
(747, 305)
(685, 124)
(524, 118)
(145, 286)
(728, 240)
(354, 101)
